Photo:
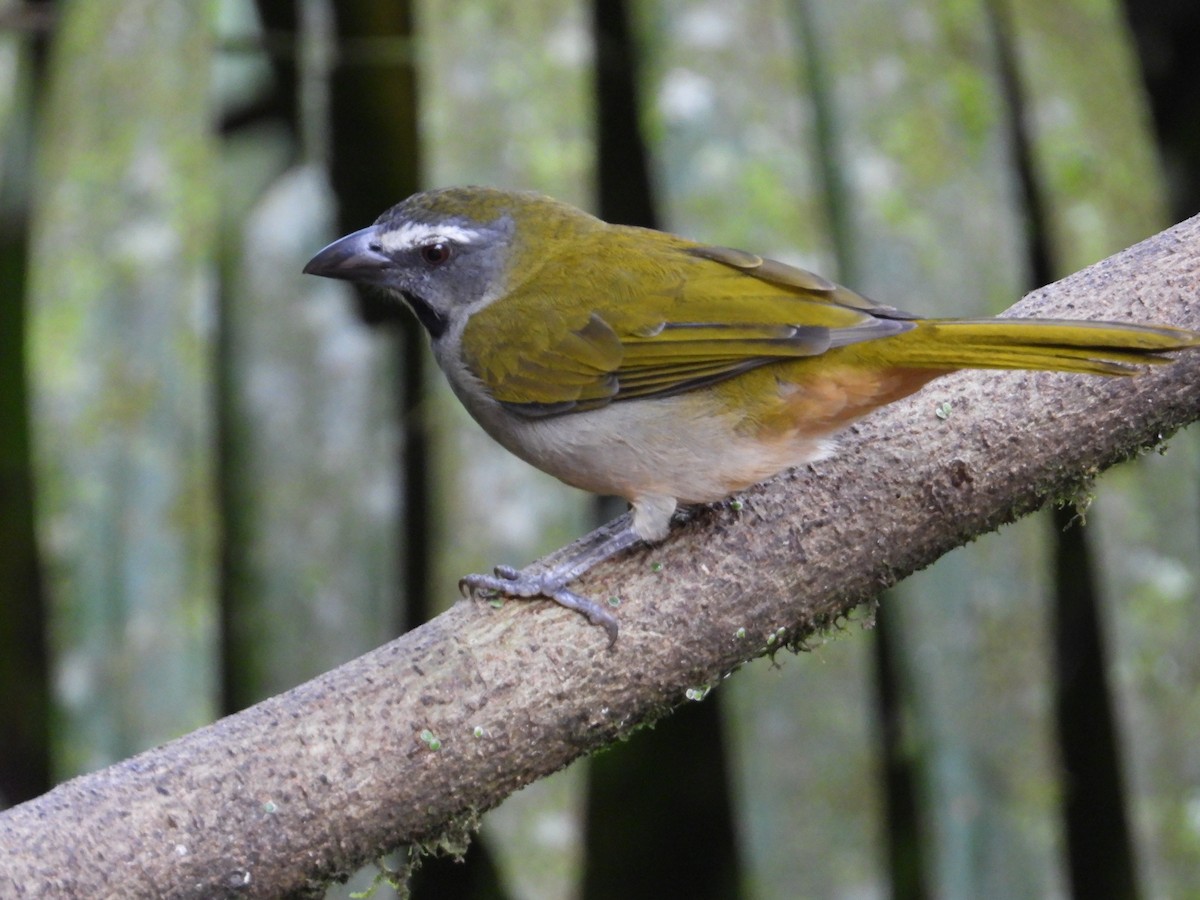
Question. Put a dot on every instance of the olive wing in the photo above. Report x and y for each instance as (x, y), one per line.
(582, 334)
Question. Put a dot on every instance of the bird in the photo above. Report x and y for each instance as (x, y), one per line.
(669, 372)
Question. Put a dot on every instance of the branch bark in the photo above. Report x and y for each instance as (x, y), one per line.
(414, 740)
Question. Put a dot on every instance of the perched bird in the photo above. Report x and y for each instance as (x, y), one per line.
(634, 362)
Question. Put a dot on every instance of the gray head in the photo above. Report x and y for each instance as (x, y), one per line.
(445, 253)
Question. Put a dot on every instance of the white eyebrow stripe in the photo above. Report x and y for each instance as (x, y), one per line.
(416, 234)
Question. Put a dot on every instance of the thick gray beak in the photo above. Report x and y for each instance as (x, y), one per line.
(355, 257)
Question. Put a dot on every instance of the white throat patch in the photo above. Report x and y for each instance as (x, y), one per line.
(417, 234)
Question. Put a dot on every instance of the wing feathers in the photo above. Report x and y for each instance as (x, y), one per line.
(701, 314)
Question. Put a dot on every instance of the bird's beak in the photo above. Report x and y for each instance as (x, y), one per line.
(355, 257)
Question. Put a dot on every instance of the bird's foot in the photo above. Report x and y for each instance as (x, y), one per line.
(510, 582)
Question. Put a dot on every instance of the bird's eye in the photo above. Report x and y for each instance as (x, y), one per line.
(436, 253)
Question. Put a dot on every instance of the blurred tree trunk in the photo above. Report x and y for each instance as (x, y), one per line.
(121, 340)
(311, 460)
(24, 668)
(1099, 857)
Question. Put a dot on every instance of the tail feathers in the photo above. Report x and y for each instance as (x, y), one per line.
(1097, 348)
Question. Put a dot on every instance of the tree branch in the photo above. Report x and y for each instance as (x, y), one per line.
(426, 732)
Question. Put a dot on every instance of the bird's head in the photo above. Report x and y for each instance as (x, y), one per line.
(448, 253)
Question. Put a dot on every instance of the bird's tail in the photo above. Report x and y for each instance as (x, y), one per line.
(1097, 348)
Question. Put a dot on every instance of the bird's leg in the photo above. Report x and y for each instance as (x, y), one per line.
(552, 582)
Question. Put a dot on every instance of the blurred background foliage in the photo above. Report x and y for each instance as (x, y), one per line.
(219, 477)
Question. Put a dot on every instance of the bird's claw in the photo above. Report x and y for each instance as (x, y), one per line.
(507, 581)
(511, 582)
